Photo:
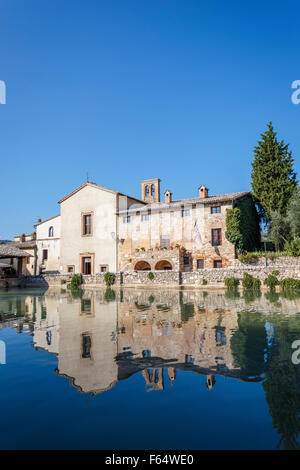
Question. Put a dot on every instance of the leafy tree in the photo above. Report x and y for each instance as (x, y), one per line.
(293, 214)
(279, 230)
(242, 226)
(273, 177)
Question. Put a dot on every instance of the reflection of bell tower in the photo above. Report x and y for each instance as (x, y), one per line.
(210, 382)
(151, 190)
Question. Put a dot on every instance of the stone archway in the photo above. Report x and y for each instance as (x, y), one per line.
(142, 266)
(163, 265)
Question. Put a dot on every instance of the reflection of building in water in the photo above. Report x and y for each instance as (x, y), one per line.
(87, 345)
(156, 334)
(200, 341)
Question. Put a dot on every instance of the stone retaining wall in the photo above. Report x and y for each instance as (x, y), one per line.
(214, 277)
(217, 276)
(280, 261)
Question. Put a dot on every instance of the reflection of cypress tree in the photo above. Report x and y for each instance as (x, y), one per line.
(248, 343)
(282, 384)
(186, 310)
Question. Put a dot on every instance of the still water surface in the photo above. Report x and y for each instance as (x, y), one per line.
(148, 369)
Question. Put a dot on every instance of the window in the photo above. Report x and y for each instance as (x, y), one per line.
(86, 265)
(86, 346)
(49, 337)
(146, 353)
(86, 306)
(217, 263)
(45, 255)
(200, 263)
(152, 190)
(126, 220)
(216, 237)
(43, 313)
(215, 210)
(70, 269)
(185, 212)
(189, 359)
(145, 217)
(87, 224)
(186, 260)
(51, 232)
(103, 268)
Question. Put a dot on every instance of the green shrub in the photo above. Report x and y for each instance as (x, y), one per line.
(292, 248)
(204, 282)
(63, 281)
(109, 279)
(231, 282)
(247, 257)
(250, 282)
(275, 272)
(150, 276)
(289, 284)
(271, 281)
(76, 281)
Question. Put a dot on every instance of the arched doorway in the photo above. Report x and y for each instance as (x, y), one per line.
(142, 266)
(163, 265)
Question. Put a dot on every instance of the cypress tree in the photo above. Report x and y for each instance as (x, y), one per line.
(273, 177)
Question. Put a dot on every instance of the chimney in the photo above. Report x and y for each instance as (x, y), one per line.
(168, 196)
(203, 191)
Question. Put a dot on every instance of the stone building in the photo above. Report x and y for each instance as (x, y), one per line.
(182, 235)
(100, 230)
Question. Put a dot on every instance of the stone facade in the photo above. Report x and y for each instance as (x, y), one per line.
(187, 224)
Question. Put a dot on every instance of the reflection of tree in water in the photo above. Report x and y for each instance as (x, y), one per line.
(282, 383)
(256, 353)
(248, 343)
(186, 309)
(249, 295)
(273, 297)
(232, 294)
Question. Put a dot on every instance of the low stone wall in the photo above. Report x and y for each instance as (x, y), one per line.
(217, 276)
(214, 277)
(161, 278)
(280, 261)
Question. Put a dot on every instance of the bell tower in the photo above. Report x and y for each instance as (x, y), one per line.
(151, 190)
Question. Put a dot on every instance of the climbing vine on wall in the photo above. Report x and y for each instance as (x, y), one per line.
(242, 226)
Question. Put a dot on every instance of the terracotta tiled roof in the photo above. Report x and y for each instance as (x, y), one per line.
(10, 251)
(196, 200)
(21, 245)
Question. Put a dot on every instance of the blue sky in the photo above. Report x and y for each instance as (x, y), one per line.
(134, 89)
